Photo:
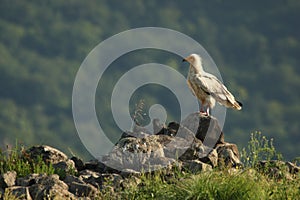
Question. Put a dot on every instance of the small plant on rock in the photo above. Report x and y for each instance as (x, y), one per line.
(259, 149)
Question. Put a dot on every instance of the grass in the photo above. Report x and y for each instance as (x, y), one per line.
(241, 184)
(16, 160)
(227, 183)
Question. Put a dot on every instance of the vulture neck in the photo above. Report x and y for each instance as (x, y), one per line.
(197, 68)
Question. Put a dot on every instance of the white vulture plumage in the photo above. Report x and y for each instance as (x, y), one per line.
(207, 88)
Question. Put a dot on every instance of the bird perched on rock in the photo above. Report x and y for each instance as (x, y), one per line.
(207, 88)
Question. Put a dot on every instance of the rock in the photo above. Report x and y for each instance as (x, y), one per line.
(293, 168)
(195, 166)
(19, 192)
(129, 172)
(99, 180)
(50, 187)
(211, 158)
(275, 169)
(161, 162)
(228, 155)
(174, 147)
(133, 153)
(47, 153)
(182, 141)
(147, 145)
(194, 151)
(79, 164)
(65, 166)
(172, 128)
(111, 180)
(135, 134)
(85, 185)
(8, 179)
(29, 179)
(83, 190)
(70, 178)
(206, 127)
(90, 177)
(98, 166)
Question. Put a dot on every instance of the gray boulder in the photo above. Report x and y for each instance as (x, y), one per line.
(195, 166)
(8, 179)
(50, 187)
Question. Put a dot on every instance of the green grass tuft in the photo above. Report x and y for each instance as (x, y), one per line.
(16, 160)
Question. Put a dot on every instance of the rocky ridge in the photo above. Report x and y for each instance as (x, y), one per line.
(85, 180)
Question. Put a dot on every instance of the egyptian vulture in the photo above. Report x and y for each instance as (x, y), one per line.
(207, 88)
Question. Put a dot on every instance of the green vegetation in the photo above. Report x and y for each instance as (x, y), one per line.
(255, 45)
(259, 148)
(17, 160)
(9, 195)
(246, 184)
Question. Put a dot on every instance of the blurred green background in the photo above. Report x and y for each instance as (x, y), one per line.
(255, 45)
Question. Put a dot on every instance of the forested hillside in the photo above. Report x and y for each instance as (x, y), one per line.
(255, 44)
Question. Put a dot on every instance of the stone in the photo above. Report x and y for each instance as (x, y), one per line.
(70, 178)
(228, 155)
(210, 158)
(174, 147)
(8, 179)
(134, 134)
(91, 177)
(29, 179)
(50, 187)
(194, 151)
(206, 128)
(65, 166)
(79, 164)
(172, 128)
(162, 161)
(47, 153)
(19, 192)
(98, 166)
(195, 166)
(133, 153)
(86, 190)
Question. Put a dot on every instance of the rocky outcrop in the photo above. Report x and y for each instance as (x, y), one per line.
(198, 138)
(195, 145)
(48, 154)
(176, 145)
